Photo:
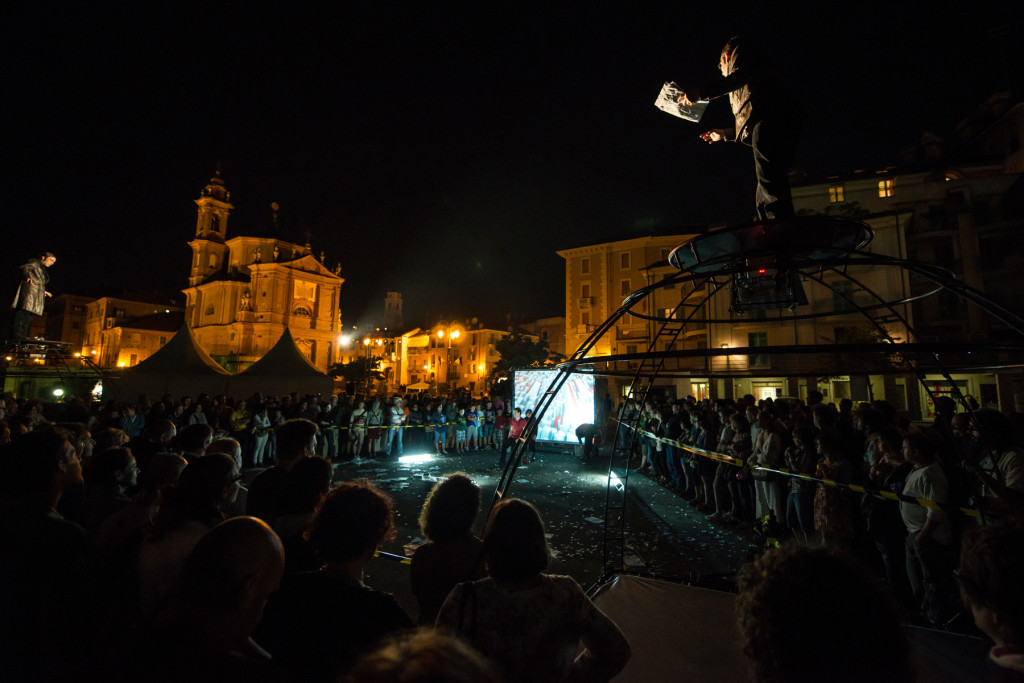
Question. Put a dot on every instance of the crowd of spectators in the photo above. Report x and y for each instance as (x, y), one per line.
(350, 427)
(969, 459)
(145, 558)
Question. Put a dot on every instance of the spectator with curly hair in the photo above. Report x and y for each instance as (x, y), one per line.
(535, 626)
(425, 656)
(813, 614)
(320, 622)
(452, 554)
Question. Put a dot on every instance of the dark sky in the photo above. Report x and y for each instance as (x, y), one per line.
(442, 150)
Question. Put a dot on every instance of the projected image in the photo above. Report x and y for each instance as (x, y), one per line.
(573, 405)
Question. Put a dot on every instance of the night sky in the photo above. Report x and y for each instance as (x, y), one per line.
(442, 150)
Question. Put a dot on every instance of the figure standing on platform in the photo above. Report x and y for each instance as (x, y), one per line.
(768, 119)
(31, 294)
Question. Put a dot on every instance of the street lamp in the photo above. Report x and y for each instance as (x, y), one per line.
(449, 333)
(368, 343)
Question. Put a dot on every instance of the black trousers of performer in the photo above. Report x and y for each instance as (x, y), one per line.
(774, 144)
(19, 326)
(508, 443)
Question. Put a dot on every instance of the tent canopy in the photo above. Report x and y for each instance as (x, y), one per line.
(180, 367)
(282, 370)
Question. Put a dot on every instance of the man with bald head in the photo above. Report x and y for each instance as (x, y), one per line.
(214, 608)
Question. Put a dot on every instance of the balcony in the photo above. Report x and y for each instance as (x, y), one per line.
(585, 302)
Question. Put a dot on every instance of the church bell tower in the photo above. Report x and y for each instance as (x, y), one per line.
(208, 248)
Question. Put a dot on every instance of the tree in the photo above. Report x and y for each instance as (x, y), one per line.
(517, 350)
(359, 371)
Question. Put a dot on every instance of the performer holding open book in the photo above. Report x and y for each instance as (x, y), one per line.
(768, 119)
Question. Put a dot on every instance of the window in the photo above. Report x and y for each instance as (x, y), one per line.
(842, 295)
(585, 317)
(757, 339)
(585, 266)
(624, 260)
(624, 288)
(163, 340)
(585, 290)
(835, 194)
(305, 290)
(302, 312)
(884, 188)
(213, 260)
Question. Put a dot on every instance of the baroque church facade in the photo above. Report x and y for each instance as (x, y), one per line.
(244, 291)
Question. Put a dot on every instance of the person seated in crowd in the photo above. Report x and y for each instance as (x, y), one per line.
(128, 526)
(320, 622)
(231, 447)
(295, 440)
(531, 624)
(155, 439)
(301, 494)
(208, 486)
(43, 575)
(109, 437)
(814, 614)
(203, 632)
(193, 440)
(424, 656)
(107, 476)
(991, 567)
(452, 554)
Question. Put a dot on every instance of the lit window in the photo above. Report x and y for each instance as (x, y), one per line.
(757, 339)
(885, 188)
(835, 194)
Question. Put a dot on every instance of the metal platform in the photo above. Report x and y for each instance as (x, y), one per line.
(765, 267)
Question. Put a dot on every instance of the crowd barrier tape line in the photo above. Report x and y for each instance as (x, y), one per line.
(857, 488)
(392, 557)
(342, 428)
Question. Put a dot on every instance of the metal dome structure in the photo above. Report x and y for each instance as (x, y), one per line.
(765, 267)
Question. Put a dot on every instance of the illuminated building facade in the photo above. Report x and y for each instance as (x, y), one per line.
(244, 291)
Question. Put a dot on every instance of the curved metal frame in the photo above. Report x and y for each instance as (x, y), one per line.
(812, 265)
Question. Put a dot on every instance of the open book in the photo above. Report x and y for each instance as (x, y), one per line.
(667, 102)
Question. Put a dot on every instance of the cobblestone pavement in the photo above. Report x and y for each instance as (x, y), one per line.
(664, 536)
